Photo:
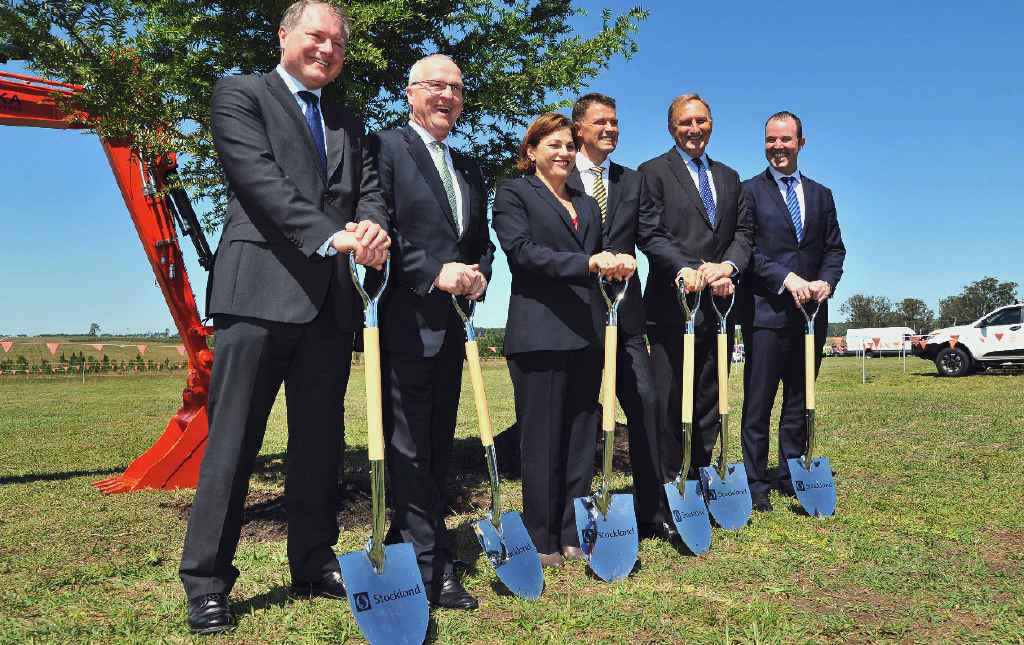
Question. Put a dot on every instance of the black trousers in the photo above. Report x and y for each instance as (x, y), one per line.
(635, 388)
(667, 357)
(253, 357)
(774, 355)
(558, 418)
(421, 402)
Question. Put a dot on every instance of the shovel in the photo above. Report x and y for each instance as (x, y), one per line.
(812, 477)
(502, 536)
(689, 513)
(725, 487)
(385, 588)
(606, 523)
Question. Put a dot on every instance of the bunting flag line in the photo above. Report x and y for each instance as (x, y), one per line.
(181, 349)
(53, 348)
(97, 346)
(7, 345)
(141, 348)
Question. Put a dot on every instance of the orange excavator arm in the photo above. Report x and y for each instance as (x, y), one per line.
(173, 460)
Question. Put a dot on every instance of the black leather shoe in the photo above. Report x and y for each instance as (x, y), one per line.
(210, 614)
(761, 503)
(659, 531)
(453, 595)
(330, 585)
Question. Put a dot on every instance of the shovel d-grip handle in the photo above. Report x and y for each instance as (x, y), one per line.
(723, 378)
(809, 392)
(611, 347)
(374, 411)
(687, 412)
(483, 414)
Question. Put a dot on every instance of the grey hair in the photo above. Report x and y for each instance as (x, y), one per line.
(294, 12)
(416, 70)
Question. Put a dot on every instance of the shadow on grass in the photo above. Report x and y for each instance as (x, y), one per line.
(49, 477)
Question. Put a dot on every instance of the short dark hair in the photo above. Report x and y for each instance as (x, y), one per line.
(583, 102)
(294, 12)
(785, 114)
(541, 127)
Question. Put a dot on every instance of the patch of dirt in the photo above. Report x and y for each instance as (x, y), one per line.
(1003, 551)
(265, 518)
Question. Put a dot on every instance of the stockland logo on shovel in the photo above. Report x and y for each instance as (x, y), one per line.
(811, 485)
(365, 601)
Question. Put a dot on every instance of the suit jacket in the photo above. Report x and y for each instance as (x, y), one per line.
(634, 221)
(415, 317)
(554, 303)
(819, 256)
(280, 207)
(686, 220)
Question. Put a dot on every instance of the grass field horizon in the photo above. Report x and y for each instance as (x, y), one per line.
(927, 543)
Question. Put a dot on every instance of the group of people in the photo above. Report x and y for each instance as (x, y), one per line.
(307, 187)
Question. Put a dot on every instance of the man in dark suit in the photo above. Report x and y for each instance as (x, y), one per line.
(437, 203)
(705, 212)
(629, 219)
(798, 248)
(299, 179)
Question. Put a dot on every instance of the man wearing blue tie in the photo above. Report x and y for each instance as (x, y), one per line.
(798, 248)
(704, 211)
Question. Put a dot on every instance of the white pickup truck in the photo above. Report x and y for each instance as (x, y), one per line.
(996, 338)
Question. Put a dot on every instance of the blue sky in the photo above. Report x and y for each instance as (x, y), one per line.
(911, 112)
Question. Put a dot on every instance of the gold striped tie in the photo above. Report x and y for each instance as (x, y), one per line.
(600, 194)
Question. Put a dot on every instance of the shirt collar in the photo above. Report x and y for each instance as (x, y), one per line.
(689, 160)
(293, 85)
(778, 175)
(584, 164)
(426, 136)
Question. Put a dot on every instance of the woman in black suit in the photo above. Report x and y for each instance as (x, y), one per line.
(551, 235)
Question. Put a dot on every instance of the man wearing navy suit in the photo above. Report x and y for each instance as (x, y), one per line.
(302, 192)
(437, 203)
(629, 219)
(705, 213)
(798, 258)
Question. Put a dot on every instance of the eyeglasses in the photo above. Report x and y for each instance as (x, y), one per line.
(437, 87)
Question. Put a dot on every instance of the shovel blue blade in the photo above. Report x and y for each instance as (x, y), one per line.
(690, 516)
(609, 542)
(728, 499)
(512, 555)
(815, 488)
(390, 607)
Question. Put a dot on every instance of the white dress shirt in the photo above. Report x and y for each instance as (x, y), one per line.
(586, 166)
(692, 167)
(427, 140)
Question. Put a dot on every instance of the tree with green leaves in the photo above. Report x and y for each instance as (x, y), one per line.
(149, 66)
(869, 311)
(976, 300)
(914, 313)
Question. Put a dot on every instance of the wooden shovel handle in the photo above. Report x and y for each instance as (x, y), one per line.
(483, 415)
(374, 420)
(687, 378)
(809, 369)
(723, 376)
(611, 347)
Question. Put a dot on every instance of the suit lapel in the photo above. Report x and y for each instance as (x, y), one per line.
(463, 183)
(552, 201)
(775, 194)
(614, 192)
(721, 190)
(682, 175)
(419, 153)
(279, 91)
(335, 141)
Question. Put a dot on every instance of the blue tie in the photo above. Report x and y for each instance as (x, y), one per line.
(793, 204)
(315, 127)
(705, 191)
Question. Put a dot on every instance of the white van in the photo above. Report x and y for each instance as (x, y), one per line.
(879, 341)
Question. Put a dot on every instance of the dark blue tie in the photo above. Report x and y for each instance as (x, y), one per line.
(705, 191)
(793, 204)
(315, 127)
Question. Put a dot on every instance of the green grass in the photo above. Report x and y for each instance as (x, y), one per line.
(927, 544)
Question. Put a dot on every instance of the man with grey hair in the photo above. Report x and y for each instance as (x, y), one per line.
(705, 211)
(302, 192)
(437, 204)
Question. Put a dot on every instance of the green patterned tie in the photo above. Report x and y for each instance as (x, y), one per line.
(600, 194)
(437, 152)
